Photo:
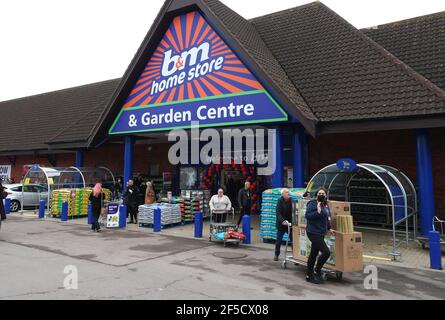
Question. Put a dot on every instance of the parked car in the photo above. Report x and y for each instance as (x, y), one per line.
(32, 194)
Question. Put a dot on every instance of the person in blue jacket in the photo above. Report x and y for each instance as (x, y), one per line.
(318, 224)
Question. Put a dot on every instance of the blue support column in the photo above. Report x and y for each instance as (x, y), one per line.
(277, 176)
(157, 220)
(128, 159)
(435, 250)
(42, 209)
(7, 205)
(246, 228)
(298, 149)
(80, 156)
(122, 216)
(425, 181)
(64, 214)
(198, 224)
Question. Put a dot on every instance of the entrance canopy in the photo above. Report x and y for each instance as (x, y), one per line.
(345, 185)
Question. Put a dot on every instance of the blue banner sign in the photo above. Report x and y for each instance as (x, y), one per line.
(247, 108)
(346, 164)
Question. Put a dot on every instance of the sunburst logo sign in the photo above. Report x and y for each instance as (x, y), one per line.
(193, 75)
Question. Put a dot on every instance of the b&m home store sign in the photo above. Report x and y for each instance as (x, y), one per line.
(194, 76)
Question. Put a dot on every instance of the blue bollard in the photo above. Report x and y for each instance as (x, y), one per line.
(64, 215)
(198, 224)
(7, 205)
(90, 213)
(41, 209)
(122, 216)
(246, 228)
(435, 250)
(157, 220)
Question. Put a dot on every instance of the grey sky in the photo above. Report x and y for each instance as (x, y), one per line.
(48, 45)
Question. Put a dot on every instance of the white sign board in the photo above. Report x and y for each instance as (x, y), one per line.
(5, 172)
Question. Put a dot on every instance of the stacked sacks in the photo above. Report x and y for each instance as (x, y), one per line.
(57, 198)
(77, 201)
(189, 206)
(80, 203)
(170, 214)
(268, 230)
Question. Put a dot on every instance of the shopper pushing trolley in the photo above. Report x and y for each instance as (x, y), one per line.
(323, 238)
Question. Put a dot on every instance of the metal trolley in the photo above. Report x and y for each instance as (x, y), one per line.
(290, 259)
(216, 227)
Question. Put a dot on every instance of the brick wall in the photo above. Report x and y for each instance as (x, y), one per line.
(393, 148)
(62, 160)
(112, 157)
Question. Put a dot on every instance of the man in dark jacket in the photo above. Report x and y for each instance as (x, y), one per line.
(131, 199)
(244, 201)
(284, 218)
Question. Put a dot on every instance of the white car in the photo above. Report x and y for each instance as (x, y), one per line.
(30, 197)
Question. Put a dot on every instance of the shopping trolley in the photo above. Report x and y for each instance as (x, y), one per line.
(289, 258)
(219, 224)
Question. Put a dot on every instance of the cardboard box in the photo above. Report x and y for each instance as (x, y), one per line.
(301, 212)
(302, 246)
(299, 243)
(349, 252)
(338, 208)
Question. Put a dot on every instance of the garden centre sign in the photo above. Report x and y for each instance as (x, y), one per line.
(194, 76)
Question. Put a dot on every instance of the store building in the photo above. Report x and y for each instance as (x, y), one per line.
(331, 91)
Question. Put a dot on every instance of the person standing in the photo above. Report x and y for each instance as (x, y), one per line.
(317, 216)
(132, 201)
(244, 201)
(97, 202)
(150, 195)
(220, 202)
(284, 218)
(3, 195)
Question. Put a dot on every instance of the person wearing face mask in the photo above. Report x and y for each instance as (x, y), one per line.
(318, 217)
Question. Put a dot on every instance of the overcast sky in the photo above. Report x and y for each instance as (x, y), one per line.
(47, 45)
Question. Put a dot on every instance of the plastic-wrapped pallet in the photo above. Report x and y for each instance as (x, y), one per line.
(170, 213)
(270, 199)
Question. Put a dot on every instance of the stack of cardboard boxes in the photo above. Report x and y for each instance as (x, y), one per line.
(346, 248)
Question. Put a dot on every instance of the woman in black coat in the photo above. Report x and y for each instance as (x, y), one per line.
(318, 225)
(97, 199)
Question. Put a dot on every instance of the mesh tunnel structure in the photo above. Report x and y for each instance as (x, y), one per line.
(380, 196)
(55, 178)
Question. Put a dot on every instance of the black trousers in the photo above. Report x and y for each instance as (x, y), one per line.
(279, 241)
(318, 245)
(132, 211)
(96, 215)
(243, 211)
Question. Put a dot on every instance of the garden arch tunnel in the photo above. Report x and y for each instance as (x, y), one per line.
(379, 195)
